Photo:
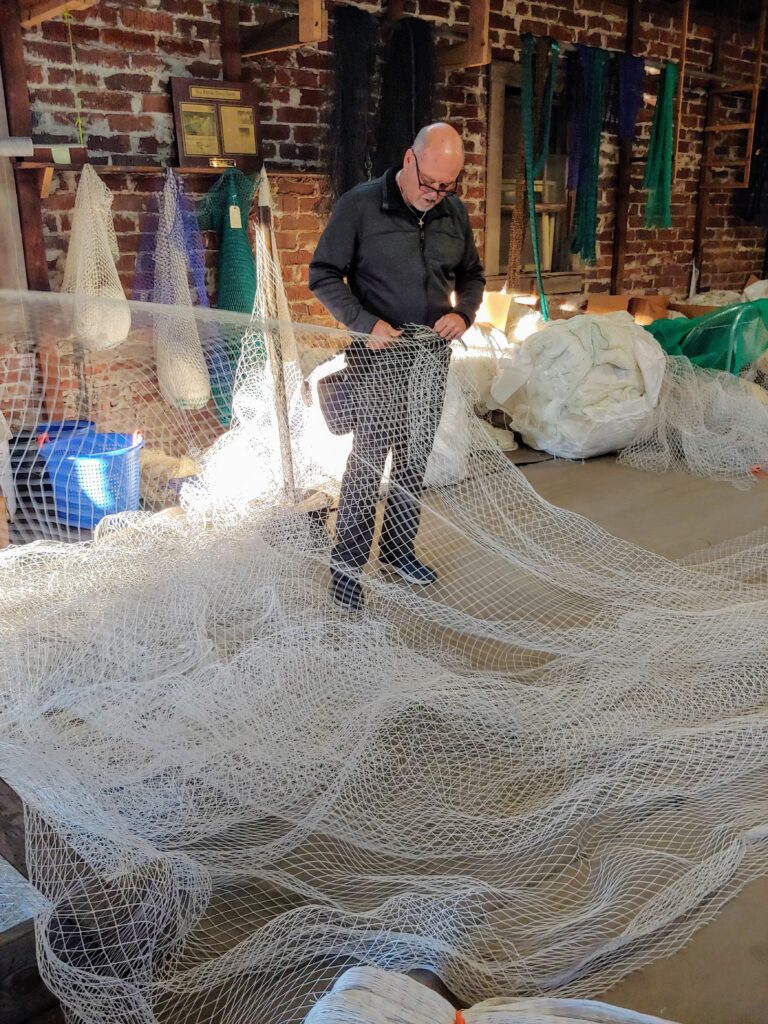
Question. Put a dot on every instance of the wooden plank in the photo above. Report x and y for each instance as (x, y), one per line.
(311, 20)
(624, 182)
(493, 175)
(680, 85)
(283, 34)
(34, 13)
(475, 51)
(702, 197)
(20, 124)
(478, 40)
(724, 126)
(13, 273)
(45, 179)
(231, 61)
(757, 76)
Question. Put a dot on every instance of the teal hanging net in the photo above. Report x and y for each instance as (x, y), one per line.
(658, 170)
(226, 210)
(591, 66)
(536, 155)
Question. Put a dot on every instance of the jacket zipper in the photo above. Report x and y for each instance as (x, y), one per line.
(424, 261)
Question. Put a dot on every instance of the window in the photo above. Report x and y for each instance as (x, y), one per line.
(505, 132)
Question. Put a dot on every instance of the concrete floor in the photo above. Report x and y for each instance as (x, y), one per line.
(721, 977)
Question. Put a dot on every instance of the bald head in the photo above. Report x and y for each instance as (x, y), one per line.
(435, 158)
(439, 141)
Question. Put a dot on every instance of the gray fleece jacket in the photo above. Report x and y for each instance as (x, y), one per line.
(375, 262)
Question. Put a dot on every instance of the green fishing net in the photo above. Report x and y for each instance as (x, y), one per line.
(658, 169)
(729, 339)
(226, 209)
(536, 157)
(584, 241)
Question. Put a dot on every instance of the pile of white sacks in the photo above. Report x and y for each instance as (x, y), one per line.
(573, 388)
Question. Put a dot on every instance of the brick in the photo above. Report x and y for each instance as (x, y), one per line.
(132, 83)
(146, 21)
(158, 104)
(128, 42)
(105, 101)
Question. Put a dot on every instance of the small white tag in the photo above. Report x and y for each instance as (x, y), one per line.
(235, 217)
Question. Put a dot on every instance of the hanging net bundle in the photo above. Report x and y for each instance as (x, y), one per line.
(226, 209)
(536, 132)
(348, 154)
(407, 91)
(90, 270)
(540, 774)
(626, 74)
(181, 366)
(586, 85)
(657, 179)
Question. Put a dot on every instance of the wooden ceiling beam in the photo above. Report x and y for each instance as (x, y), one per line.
(308, 27)
(476, 50)
(33, 13)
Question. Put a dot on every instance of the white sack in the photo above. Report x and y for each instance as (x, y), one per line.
(583, 386)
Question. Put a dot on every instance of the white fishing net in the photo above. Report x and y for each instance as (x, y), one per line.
(544, 770)
(368, 995)
(707, 423)
(90, 272)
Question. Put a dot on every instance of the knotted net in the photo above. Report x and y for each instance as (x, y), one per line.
(541, 772)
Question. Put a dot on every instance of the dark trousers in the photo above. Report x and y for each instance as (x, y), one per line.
(398, 395)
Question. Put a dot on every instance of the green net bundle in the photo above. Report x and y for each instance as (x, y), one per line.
(730, 339)
(658, 170)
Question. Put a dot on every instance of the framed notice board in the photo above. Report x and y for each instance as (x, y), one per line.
(217, 123)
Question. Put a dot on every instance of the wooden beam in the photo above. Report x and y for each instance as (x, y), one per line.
(310, 26)
(34, 13)
(231, 59)
(681, 85)
(624, 182)
(20, 123)
(493, 173)
(311, 20)
(476, 51)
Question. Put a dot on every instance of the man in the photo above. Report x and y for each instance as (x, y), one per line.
(393, 251)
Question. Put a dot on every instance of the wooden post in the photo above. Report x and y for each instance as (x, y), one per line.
(20, 123)
(681, 85)
(703, 194)
(624, 182)
(231, 61)
(263, 220)
(493, 173)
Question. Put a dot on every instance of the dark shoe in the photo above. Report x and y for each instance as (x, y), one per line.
(410, 569)
(346, 592)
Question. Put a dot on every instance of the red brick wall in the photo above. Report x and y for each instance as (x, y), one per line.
(126, 52)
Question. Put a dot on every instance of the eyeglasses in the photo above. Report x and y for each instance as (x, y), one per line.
(438, 189)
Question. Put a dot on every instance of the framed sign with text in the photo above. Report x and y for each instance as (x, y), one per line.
(217, 123)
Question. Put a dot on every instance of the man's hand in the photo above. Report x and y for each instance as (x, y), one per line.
(383, 335)
(451, 326)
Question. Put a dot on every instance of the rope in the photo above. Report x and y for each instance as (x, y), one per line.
(534, 162)
(79, 128)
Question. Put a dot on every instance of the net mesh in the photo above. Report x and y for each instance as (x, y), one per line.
(544, 770)
(368, 995)
(90, 271)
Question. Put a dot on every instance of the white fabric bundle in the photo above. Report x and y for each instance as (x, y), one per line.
(90, 271)
(583, 386)
(181, 369)
(369, 995)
